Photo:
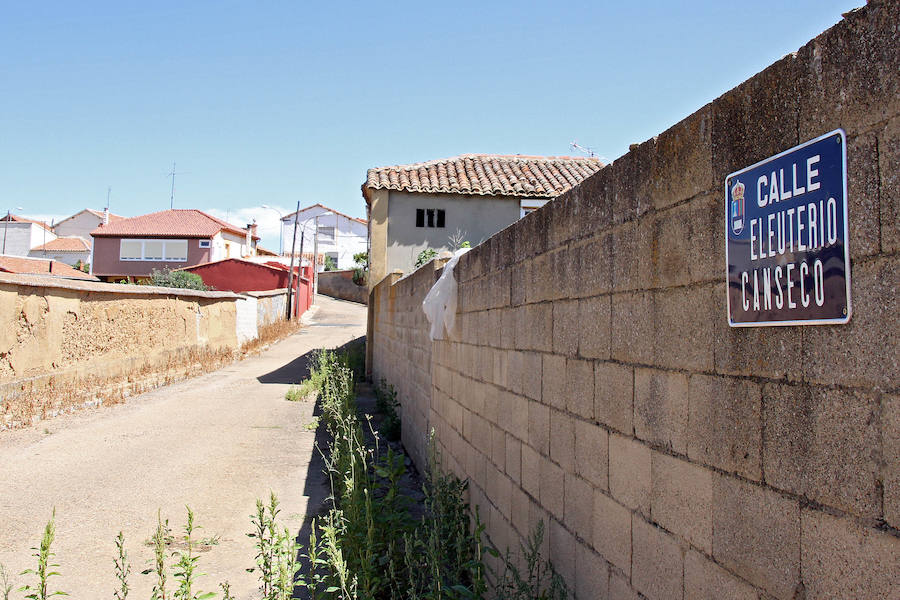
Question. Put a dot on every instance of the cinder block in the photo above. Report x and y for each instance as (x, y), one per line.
(756, 535)
(539, 427)
(562, 439)
(681, 499)
(498, 447)
(579, 501)
(500, 365)
(513, 460)
(554, 380)
(863, 195)
(595, 327)
(531, 383)
(841, 559)
(657, 562)
(612, 531)
(629, 472)
(591, 575)
(744, 132)
(682, 164)
(620, 589)
(614, 396)
(562, 550)
(592, 453)
(516, 419)
(552, 488)
(580, 387)
(866, 351)
(531, 472)
(672, 248)
(889, 175)
(594, 275)
(632, 327)
(726, 424)
(890, 426)
(856, 62)
(520, 503)
(539, 326)
(566, 327)
(632, 257)
(661, 408)
(823, 444)
(756, 351)
(705, 580)
(684, 332)
(507, 331)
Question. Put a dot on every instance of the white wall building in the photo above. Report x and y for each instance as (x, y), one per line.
(340, 236)
(82, 223)
(19, 235)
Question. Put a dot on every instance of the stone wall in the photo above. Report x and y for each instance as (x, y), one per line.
(271, 306)
(65, 344)
(593, 381)
(339, 284)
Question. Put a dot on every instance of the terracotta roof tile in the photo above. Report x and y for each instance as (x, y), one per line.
(65, 244)
(17, 219)
(173, 223)
(41, 266)
(486, 174)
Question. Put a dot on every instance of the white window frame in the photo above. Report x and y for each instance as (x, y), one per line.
(530, 205)
(143, 243)
(205, 243)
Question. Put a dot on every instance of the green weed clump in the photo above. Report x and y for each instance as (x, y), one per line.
(386, 403)
(40, 590)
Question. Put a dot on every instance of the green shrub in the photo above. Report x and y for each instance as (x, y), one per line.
(424, 256)
(177, 279)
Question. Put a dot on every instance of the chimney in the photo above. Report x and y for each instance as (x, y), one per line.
(106, 216)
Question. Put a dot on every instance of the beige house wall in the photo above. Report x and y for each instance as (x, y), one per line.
(593, 381)
(66, 344)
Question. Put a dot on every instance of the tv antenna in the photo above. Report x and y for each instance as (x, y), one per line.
(108, 192)
(172, 175)
(583, 149)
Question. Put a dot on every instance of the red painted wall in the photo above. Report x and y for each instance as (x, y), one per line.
(235, 275)
(107, 263)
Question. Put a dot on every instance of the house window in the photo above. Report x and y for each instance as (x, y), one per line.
(204, 243)
(326, 233)
(157, 250)
(430, 217)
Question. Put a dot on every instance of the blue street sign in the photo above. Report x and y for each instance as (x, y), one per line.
(786, 237)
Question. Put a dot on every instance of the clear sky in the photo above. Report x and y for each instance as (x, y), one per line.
(279, 102)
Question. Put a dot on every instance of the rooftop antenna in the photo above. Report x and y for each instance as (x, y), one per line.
(583, 149)
(108, 192)
(172, 195)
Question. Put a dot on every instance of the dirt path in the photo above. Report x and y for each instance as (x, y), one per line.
(216, 443)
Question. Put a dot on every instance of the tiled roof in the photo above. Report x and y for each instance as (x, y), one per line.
(337, 212)
(173, 223)
(41, 266)
(486, 174)
(17, 219)
(99, 213)
(65, 244)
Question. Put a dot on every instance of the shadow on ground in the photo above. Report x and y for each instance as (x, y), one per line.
(298, 369)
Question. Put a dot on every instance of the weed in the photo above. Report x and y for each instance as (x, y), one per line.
(185, 568)
(5, 586)
(44, 570)
(386, 403)
(276, 552)
(297, 393)
(539, 581)
(226, 591)
(122, 568)
(161, 538)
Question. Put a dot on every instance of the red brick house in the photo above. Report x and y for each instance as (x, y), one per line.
(169, 239)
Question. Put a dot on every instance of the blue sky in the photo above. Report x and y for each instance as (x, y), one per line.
(275, 102)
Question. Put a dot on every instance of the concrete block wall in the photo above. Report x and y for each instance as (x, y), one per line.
(593, 381)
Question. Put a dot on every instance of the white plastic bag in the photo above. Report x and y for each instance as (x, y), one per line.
(440, 302)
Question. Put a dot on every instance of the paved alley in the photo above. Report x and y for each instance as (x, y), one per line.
(215, 442)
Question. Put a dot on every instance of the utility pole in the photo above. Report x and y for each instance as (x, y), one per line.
(291, 271)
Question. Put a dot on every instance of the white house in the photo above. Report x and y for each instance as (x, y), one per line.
(82, 223)
(339, 236)
(20, 235)
(69, 250)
